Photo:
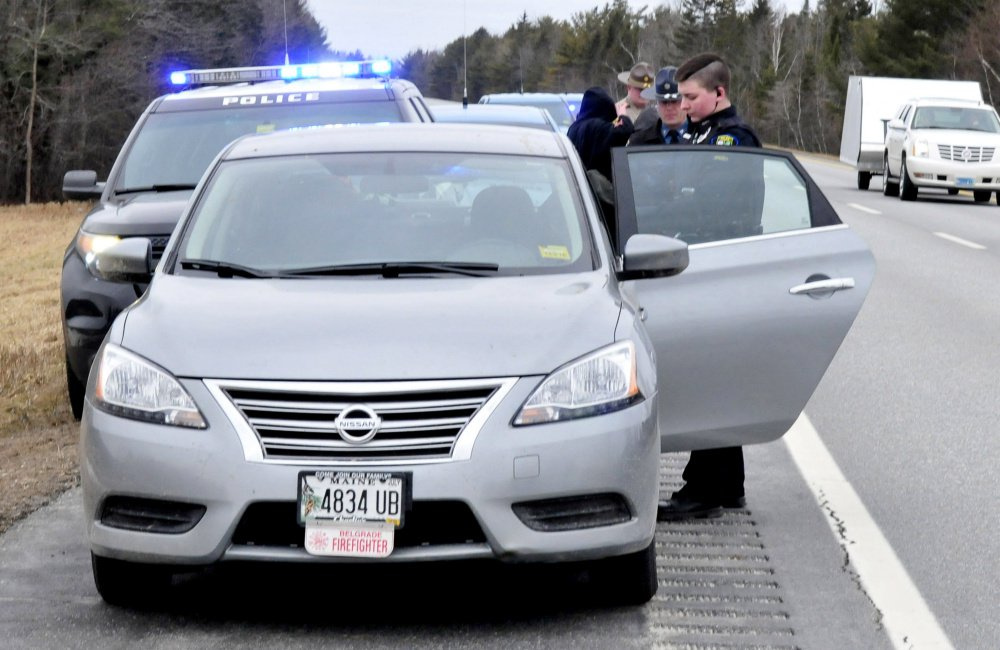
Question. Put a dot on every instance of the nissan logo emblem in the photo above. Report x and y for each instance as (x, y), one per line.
(357, 424)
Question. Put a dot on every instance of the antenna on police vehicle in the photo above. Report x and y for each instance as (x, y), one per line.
(465, 62)
(284, 13)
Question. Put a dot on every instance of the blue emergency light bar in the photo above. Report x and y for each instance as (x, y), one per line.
(328, 70)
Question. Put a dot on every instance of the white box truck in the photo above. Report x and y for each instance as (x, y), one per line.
(872, 102)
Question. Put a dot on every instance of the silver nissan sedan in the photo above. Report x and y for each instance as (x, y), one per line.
(402, 343)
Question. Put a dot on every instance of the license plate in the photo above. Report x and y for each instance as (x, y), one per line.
(966, 181)
(364, 539)
(353, 497)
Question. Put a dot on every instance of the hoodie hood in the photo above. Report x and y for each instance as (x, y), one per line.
(597, 103)
(360, 329)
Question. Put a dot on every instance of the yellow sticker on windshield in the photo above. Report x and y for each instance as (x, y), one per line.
(554, 252)
(265, 128)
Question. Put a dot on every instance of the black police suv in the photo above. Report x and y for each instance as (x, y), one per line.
(169, 148)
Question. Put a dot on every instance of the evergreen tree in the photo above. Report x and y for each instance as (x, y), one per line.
(914, 37)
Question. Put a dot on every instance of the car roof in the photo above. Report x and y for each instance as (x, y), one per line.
(509, 114)
(343, 90)
(374, 138)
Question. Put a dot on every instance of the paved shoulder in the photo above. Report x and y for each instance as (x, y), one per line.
(771, 575)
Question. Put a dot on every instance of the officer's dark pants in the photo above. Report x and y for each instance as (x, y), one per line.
(714, 475)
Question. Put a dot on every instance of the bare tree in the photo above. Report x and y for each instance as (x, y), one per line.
(37, 38)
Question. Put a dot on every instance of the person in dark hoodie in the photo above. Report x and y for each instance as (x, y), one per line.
(600, 126)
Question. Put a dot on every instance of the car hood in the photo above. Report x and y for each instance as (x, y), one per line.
(140, 214)
(371, 329)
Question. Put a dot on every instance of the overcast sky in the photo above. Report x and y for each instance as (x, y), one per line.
(392, 28)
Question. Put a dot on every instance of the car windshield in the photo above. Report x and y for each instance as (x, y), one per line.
(175, 148)
(947, 117)
(361, 213)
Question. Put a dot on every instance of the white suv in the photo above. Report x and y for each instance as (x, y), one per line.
(944, 143)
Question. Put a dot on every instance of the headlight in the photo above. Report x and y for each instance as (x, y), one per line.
(601, 382)
(89, 245)
(132, 387)
(921, 149)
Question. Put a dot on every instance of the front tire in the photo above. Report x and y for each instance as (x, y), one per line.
(629, 579)
(907, 190)
(864, 180)
(981, 196)
(75, 390)
(952, 191)
(130, 584)
(889, 188)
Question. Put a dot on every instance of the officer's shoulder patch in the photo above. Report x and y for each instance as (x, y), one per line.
(726, 141)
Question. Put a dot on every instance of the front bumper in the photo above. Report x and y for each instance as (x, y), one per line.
(615, 453)
(932, 172)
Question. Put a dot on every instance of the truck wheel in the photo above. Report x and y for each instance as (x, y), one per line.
(952, 191)
(889, 187)
(864, 180)
(981, 196)
(76, 391)
(907, 190)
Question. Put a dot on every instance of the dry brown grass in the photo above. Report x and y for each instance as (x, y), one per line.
(37, 432)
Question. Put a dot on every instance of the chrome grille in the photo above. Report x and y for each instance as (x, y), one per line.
(295, 421)
(960, 153)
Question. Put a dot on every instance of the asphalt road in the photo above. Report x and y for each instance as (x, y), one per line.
(909, 406)
(907, 410)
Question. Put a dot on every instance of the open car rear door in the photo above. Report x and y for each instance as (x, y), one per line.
(744, 335)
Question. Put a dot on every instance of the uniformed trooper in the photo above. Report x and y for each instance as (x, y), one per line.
(703, 81)
(713, 478)
(639, 78)
(672, 121)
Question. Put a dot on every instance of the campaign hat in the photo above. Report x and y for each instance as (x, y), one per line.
(665, 87)
(640, 76)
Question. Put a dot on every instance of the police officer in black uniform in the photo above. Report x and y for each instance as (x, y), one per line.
(703, 81)
(713, 477)
(672, 122)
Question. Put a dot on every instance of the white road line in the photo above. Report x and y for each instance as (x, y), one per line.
(858, 206)
(905, 615)
(959, 240)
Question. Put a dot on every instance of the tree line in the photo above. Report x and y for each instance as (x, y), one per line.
(75, 74)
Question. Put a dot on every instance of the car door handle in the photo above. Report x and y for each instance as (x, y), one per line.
(822, 286)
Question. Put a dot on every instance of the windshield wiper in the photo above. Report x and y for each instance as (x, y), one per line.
(166, 187)
(395, 269)
(225, 269)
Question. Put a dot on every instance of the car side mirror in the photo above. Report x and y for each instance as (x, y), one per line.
(81, 184)
(653, 256)
(130, 260)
